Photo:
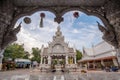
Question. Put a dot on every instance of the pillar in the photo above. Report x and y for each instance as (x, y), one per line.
(118, 55)
(66, 59)
(115, 62)
(49, 60)
(88, 64)
(75, 59)
(45, 60)
(102, 63)
(41, 60)
(1, 57)
(94, 65)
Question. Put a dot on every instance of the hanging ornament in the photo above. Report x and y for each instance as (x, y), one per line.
(27, 20)
(42, 15)
(76, 14)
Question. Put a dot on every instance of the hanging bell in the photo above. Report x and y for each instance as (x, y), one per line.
(27, 20)
(76, 14)
(42, 15)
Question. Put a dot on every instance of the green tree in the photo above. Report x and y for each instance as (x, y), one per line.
(15, 51)
(36, 54)
(78, 55)
(27, 55)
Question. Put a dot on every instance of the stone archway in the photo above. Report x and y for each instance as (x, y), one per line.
(107, 10)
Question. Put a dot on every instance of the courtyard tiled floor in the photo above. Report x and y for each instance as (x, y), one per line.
(29, 74)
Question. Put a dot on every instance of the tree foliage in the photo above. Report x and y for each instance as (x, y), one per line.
(36, 54)
(78, 55)
(15, 51)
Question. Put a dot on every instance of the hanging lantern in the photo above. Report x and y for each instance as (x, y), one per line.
(27, 20)
(42, 15)
(76, 14)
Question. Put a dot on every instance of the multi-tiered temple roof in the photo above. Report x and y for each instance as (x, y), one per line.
(100, 51)
(58, 46)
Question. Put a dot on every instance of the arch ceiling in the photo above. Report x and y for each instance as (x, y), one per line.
(107, 10)
(59, 7)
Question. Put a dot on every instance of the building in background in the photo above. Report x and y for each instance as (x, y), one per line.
(100, 55)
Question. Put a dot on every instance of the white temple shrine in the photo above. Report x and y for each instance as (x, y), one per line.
(58, 54)
(100, 55)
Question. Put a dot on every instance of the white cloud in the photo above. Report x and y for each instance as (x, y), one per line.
(75, 31)
(84, 36)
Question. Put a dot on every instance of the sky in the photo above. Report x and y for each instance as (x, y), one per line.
(78, 32)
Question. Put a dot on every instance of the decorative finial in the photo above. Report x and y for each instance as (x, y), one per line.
(58, 33)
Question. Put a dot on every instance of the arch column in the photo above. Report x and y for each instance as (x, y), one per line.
(118, 55)
(1, 58)
(113, 16)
